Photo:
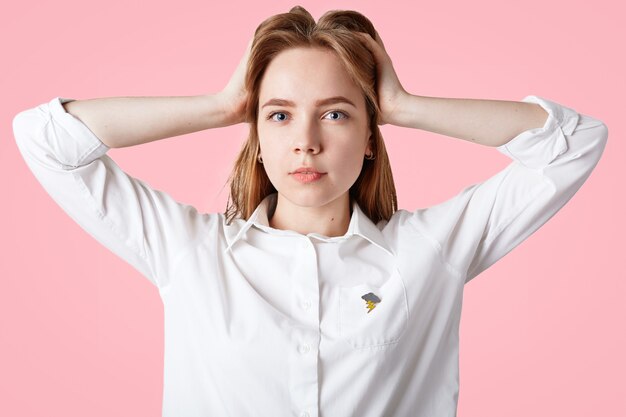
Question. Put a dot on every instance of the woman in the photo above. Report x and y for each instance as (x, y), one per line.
(312, 294)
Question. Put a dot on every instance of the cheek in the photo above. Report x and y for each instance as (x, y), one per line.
(276, 144)
(274, 160)
(272, 151)
(348, 161)
(265, 143)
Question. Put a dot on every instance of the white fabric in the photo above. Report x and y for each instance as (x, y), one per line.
(260, 321)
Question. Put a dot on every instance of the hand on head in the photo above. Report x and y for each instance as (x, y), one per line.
(390, 91)
(234, 95)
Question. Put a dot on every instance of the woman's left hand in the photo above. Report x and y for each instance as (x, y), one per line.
(390, 91)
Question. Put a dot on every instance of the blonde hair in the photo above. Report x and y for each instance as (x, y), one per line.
(374, 189)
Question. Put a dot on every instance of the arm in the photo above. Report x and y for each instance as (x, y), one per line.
(485, 221)
(553, 149)
(144, 226)
(128, 121)
(488, 122)
(119, 122)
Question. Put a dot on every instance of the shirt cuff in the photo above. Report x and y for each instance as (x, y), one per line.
(537, 148)
(87, 146)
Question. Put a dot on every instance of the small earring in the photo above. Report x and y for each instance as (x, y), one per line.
(260, 159)
(370, 157)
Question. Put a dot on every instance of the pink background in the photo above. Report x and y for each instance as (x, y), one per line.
(542, 333)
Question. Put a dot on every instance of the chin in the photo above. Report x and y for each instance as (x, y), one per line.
(311, 197)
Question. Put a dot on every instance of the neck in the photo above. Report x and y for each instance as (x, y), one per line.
(330, 220)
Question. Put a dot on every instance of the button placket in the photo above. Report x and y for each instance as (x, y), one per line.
(303, 357)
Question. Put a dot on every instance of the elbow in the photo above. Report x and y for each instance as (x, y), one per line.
(600, 130)
(603, 133)
(25, 123)
(595, 134)
(28, 126)
(600, 138)
(20, 125)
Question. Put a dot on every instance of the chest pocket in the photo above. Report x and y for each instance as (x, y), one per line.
(371, 316)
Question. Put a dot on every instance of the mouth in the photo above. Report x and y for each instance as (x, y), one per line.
(306, 170)
(307, 176)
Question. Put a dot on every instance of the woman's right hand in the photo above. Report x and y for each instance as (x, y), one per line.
(234, 96)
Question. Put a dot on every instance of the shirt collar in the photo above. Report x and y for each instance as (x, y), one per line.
(360, 225)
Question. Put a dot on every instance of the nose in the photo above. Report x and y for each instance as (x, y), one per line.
(307, 138)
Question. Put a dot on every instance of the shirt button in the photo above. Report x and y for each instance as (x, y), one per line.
(303, 348)
(306, 305)
(304, 414)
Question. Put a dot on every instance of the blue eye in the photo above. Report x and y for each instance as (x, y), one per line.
(345, 116)
(271, 115)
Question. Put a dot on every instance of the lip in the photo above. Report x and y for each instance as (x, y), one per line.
(305, 177)
(307, 170)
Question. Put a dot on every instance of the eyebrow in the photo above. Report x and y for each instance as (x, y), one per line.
(322, 102)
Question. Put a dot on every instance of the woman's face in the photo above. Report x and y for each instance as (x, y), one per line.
(297, 127)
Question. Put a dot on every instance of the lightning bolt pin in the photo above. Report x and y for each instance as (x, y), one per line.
(371, 300)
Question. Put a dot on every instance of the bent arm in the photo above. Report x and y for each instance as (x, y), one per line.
(486, 220)
(488, 122)
(141, 224)
(128, 121)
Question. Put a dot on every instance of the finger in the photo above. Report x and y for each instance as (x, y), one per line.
(248, 48)
(369, 41)
(380, 41)
(375, 48)
(246, 55)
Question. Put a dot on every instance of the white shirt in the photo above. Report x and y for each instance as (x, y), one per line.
(261, 321)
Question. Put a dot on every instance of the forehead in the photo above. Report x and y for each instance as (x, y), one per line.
(307, 73)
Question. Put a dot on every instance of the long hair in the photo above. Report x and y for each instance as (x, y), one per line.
(374, 189)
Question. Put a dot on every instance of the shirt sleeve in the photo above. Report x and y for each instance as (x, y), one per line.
(145, 227)
(485, 221)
